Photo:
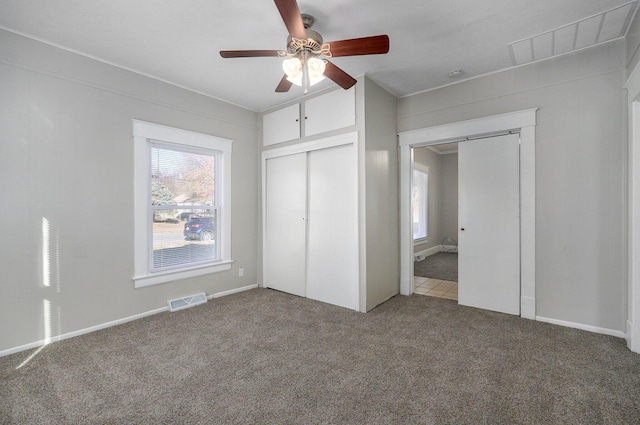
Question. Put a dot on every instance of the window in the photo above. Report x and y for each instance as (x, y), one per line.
(182, 204)
(419, 201)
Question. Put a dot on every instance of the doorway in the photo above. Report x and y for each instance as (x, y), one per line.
(522, 122)
(435, 221)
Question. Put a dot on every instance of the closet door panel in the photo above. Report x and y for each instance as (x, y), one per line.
(332, 238)
(285, 227)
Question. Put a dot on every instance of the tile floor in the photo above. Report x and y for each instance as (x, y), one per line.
(435, 288)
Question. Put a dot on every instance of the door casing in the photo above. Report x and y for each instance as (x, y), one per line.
(522, 122)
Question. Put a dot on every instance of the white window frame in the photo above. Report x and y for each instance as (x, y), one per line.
(425, 169)
(143, 134)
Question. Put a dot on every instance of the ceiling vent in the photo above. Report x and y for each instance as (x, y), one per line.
(597, 29)
(186, 302)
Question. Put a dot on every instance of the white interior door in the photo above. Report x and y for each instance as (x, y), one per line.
(489, 224)
(285, 227)
(332, 239)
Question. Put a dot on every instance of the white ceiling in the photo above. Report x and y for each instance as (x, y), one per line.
(178, 41)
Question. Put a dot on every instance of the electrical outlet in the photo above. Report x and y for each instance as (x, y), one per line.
(241, 271)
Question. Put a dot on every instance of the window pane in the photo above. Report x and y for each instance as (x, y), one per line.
(177, 243)
(419, 203)
(183, 206)
(181, 177)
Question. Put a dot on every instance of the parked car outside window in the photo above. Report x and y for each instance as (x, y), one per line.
(200, 228)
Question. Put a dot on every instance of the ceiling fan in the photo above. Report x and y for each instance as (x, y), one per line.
(306, 53)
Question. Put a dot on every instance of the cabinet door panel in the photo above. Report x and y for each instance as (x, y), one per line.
(285, 227)
(281, 126)
(330, 111)
(332, 238)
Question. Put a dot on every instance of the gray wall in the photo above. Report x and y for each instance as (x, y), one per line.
(449, 196)
(381, 194)
(580, 172)
(67, 160)
(632, 56)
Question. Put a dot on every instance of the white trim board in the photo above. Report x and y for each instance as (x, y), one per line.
(324, 143)
(43, 342)
(633, 212)
(595, 329)
(523, 122)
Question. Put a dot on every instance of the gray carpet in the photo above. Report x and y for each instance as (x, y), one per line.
(270, 358)
(443, 265)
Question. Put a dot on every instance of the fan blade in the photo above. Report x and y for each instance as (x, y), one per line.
(375, 45)
(247, 53)
(291, 16)
(284, 85)
(340, 77)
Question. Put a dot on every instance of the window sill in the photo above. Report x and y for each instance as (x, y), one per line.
(170, 276)
(420, 241)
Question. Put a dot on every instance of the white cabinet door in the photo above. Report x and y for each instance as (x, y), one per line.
(281, 125)
(332, 238)
(285, 226)
(489, 224)
(330, 111)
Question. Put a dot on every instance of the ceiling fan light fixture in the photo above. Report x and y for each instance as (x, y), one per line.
(293, 68)
(316, 68)
(305, 63)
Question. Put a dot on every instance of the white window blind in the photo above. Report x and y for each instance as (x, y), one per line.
(183, 205)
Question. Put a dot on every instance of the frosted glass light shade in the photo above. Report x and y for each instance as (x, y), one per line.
(293, 68)
(316, 69)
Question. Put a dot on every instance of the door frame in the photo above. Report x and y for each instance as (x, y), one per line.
(523, 122)
(632, 334)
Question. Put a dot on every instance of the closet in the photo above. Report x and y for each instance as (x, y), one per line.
(311, 239)
(329, 197)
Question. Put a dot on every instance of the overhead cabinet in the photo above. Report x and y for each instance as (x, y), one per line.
(281, 126)
(321, 114)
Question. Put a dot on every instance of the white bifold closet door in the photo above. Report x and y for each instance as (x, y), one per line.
(489, 221)
(285, 245)
(311, 239)
(332, 237)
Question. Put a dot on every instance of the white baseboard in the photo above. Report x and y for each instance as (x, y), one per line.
(232, 291)
(80, 332)
(632, 343)
(595, 329)
(406, 283)
(429, 251)
(108, 324)
(528, 308)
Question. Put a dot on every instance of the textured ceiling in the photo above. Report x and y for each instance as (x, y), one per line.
(178, 41)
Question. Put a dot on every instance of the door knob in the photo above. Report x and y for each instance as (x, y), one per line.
(462, 229)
